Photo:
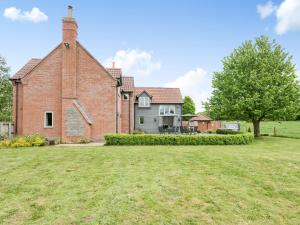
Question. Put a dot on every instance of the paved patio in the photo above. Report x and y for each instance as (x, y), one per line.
(92, 144)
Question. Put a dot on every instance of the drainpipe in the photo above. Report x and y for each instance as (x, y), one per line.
(119, 84)
(117, 108)
(18, 81)
(129, 114)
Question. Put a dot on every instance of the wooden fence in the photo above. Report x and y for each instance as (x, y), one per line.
(6, 129)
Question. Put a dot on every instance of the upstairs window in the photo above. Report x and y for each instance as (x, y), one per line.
(48, 120)
(167, 110)
(144, 102)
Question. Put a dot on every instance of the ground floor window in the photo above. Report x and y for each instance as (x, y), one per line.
(125, 96)
(48, 120)
(141, 120)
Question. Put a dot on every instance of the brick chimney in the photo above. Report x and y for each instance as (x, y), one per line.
(69, 55)
(69, 71)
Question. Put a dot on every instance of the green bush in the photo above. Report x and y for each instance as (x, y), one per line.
(23, 141)
(83, 141)
(172, 139)
(2, 137)
(138, 131)
(227, 131)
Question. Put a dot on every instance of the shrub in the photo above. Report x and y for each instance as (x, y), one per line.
(138, 131)
(227, 131)
(5, 143)
(83, 141)
(172, 139)
(23, 141)
(20, 142)
(36, 140)
(2, 137)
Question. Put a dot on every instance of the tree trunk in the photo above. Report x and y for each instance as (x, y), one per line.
(256, 128)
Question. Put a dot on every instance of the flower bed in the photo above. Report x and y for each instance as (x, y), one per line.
(161, 139)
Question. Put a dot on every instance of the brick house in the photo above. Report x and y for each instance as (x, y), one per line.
(69, 95)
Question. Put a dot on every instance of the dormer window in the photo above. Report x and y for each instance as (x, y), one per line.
(144, 102)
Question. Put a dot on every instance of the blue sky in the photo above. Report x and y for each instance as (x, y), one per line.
(161, 43)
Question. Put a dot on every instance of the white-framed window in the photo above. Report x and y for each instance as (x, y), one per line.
(125, 96)
(144, 102)
(167, 110)
(141, 120)
(48, 120)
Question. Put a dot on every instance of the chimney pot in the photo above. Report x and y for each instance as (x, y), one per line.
(70, 9)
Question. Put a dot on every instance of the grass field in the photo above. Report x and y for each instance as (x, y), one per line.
(284, 128)
(251, 184)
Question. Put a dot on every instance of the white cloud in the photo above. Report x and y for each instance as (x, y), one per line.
(134, 62)
(288, 16)
(266, 9)
(35, 15)
(195, 84)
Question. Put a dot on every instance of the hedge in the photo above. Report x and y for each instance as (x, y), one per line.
(172, 139)
(227, 131)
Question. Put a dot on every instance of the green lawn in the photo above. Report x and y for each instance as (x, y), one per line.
(285, 128)
(249, 184)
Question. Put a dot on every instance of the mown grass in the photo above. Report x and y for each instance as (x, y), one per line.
(283, 128)
(252, 184)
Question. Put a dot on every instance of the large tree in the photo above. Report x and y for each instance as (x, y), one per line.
(258, 82)
(188, 107)
(5, 92)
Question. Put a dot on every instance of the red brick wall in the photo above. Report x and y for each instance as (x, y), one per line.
(208, 125)
(97, 93)
(19, 124)
(120, 109)
(128, 114)
(41, 93)
(125, 116)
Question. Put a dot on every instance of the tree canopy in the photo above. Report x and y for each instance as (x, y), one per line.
(188, 107)
(5, 92)
(258, 82)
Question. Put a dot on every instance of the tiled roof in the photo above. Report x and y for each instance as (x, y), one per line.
(161, 95)
(200, 117)
(26, 69)
(127, 84)
(115, 72)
